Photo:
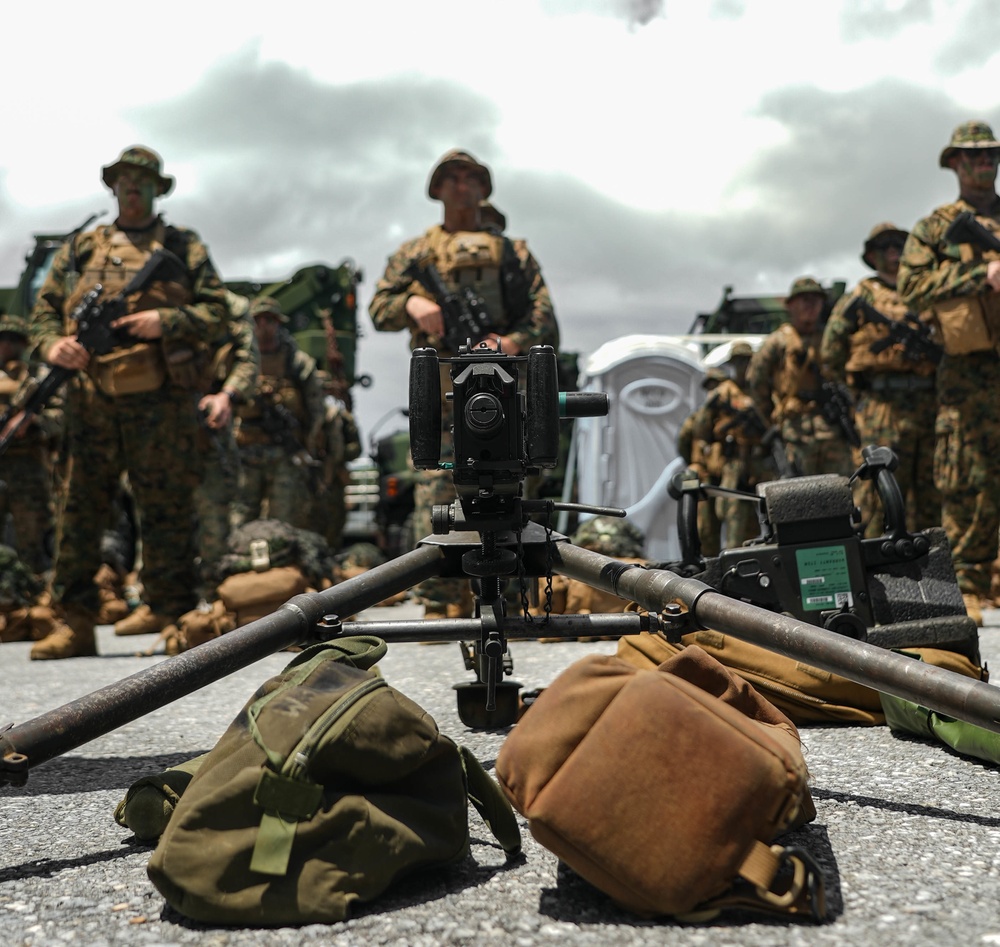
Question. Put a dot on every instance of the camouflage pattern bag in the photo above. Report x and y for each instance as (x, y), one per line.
(327, 787)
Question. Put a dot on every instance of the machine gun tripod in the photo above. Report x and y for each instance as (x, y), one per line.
(896, 589)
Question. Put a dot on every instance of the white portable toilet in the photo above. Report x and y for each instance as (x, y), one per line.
(627, 458)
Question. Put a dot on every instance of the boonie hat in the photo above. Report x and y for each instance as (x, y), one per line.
(972, 134)
(456, 156)
(880, 230)
(267, 304)
(138, 156)
(804, 286)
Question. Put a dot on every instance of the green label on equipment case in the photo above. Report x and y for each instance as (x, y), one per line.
(824, 582)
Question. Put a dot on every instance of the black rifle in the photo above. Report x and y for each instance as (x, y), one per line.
(910, 332)
(966, 229)
(279, 424)
(837, 407)
(93, 319)
(464, 313)
(751, 421)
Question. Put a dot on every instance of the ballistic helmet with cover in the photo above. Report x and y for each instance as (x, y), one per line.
(14, 325)
(610, 536)
(880, 230)
(267, 305)
(458, 157)
(713, 377)
(805, 286)
(361, 556)
(974, 134)
(740, 350)
(268, 544)
(138, 156)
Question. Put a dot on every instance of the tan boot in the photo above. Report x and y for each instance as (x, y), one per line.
(15, 625)
(143, 621)
(972, 607)
(73, 636)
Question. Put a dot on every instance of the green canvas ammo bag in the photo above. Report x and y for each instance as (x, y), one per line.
(328, 786)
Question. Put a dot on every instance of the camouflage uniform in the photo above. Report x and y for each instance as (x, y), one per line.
(234, 368)
(26, 467)
(951, 279)
(691, 451)
(488, 263)
(130, 411)
(784, 379)
(339, 443)
(732, 454)
(271, 472)
(894, 394)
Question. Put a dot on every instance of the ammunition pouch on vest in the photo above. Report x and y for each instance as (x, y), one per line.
(129, 371)
(965, 325)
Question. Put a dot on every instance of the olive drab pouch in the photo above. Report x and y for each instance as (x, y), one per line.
(328, 786)
(665, 788)
(910, 718)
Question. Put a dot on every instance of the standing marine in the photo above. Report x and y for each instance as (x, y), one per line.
(785, 381)
(727, 434)
(507, 279)
(26, 466)
(279, 428)
(959, 280)
(892, 379)
(131, 409)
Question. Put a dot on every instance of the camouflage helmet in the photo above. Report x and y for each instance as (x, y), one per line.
(491, 216)
(713, 377)
(457, 156)
(972, 134)
(361, 556)
(805, 286)
(740, 350)
(610, 536)
(267, 305)
(880, 230)
(15, 325)
(138, 156)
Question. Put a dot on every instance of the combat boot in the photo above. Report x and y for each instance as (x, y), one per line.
(73, 636)
(973, 608)
(143, 621)
(15, 625)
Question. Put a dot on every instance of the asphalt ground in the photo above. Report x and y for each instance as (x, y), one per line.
(907, 833)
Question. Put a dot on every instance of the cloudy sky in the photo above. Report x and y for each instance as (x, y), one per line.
(650, 152)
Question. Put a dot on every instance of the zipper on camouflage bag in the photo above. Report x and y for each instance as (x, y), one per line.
(289, 796)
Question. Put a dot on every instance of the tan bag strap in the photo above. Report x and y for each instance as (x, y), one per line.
(765, 886)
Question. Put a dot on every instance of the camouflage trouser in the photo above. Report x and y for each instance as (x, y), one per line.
(269, 477)
(213, 500)
(815, 447)
(739, 517)
(152, 436)
(29, 502)
(904, 421)
(967, 464)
